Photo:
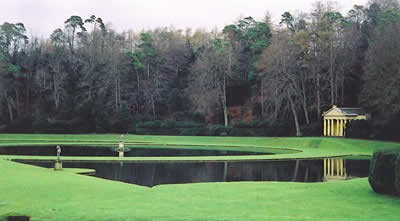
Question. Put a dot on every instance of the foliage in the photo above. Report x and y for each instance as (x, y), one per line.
(149, 124)
(397, 174)
(87, 77)
(170, 127)
(188, 116)
(218, 130)
(195, 131)
(312, 130)
(359, 129)
(383, 171)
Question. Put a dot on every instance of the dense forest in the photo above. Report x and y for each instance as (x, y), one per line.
(251, 78)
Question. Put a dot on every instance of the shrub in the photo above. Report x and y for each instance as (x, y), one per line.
(188, 116)
(242, 132)
(397, 174)
(361, 129)
(123, 120)
(276, 128)
(149, 124)
(40, 124)
(157, 131)
(218, 130)
(188, 124)
(20, 125)
(168, 124)
(382, 171)
(143, 117)
(252, 124)
(202, 131)
(242, 124)
(313, 129)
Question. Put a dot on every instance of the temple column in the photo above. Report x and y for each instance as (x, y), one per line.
(328, 163)
(341, 168)
(328, 130)
(338, 167)
(336, 128)
(332, 128)
(324, 127)
(341, 128)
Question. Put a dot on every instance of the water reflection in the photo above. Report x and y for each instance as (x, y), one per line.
(110, 151)
(152, 174)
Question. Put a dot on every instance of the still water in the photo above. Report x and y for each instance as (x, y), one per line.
(152, 174)
(110, 151)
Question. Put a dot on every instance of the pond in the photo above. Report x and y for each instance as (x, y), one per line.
(152, 174)
(110, 151)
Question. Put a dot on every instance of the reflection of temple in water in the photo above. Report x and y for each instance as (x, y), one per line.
(334, 169)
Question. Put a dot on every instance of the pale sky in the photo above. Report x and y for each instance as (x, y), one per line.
(41, 17)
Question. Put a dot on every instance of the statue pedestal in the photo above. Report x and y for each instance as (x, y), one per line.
(121, 153)
(58, 165)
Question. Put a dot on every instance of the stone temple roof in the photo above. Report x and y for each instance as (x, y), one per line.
(352, 110)
(348, 111)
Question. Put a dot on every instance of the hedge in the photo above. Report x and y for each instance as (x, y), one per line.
(384, 172)
(361, 129)
(397, 175)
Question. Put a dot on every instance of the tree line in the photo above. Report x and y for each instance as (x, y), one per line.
(86, 77)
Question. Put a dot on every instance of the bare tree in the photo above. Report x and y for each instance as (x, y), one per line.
(212, 72)
(279, 67)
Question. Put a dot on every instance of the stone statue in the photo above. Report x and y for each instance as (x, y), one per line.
(121, 146)
(58, 152)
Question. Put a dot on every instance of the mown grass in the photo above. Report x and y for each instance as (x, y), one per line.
(45, 194)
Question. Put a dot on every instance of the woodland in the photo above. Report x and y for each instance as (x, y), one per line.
(252, 78)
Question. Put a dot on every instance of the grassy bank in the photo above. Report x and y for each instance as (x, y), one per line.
(45, 194)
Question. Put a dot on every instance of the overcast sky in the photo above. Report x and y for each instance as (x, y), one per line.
(41, 17)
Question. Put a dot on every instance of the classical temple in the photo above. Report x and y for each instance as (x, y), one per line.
(336, 118)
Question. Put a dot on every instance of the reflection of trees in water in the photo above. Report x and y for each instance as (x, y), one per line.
(152, 174)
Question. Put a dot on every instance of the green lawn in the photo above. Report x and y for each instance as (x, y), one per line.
(49, 195)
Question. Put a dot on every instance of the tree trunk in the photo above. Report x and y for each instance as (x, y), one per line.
(116, 95)
(9, 105)
(262, 97)
(304, 92)
(148, 71)
(298, 131)
(224, 103)
(336, 88)
(119, 90)
(138, 80)
(342, 90)
(55, 91)
(10, 110)
(17, 103)
(331, 73)
(72, 41)
(318, 97)
(153, 106)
